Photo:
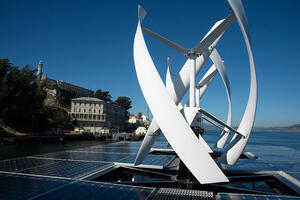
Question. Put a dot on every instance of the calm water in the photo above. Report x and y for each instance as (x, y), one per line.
(272, 146)
(268, 145)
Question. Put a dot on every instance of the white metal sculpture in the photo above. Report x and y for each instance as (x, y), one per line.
(177, 130)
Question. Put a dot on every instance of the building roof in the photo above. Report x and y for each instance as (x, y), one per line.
(87, 99)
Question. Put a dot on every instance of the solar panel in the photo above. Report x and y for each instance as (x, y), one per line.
(161, 160)
(24, 187)
(229, 196)
(109, 149)
(112, 157)
(291, 166)
(90, 190)
(22, 163)
(163, 145)
(252, 165)
(70, 169)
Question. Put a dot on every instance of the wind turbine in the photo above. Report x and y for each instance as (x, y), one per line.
(176, 130)
(182, 81)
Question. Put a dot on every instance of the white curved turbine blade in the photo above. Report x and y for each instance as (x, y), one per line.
(152, 132)
(177, 131)
(216, 58)
(221, 27)
(238, 144)
(211, 72)
(181, 85)
(169, 82)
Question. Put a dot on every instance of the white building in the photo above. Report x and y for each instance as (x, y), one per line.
(96, 116)
(141, 120)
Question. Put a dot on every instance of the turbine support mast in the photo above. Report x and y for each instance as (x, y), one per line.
(192, 57)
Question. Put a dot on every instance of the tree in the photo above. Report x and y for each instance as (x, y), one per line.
(21, 97)
(103, 95)
(124, 102)
(65, 96)
(140, 115)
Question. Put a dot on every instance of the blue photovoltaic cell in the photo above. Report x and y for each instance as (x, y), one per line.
(22, 163)
(94, 191)
(70, 169)
(252, 165)
(109, 149)
(291, 166)
(161, 145)
(230, 196)
(161, 160)
(23, 187)
(112, 157)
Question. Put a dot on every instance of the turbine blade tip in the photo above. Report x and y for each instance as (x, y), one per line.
(141, 13)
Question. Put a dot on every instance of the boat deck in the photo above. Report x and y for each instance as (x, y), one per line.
(67, 174)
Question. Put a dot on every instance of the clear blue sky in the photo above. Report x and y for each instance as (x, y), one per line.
(89, 43)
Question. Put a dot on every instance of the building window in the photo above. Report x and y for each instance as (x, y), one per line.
(85, 104)
(94, 110)
(89, 110)
(79, 110)
(74, 110)
(84, 110)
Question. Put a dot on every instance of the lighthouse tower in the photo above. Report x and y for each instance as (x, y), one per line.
(40, 70)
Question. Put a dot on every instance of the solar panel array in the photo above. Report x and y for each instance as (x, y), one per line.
(14, 186)
(57, 175)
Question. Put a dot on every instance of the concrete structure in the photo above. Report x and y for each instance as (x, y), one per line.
(80, 91)
(96, 116)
